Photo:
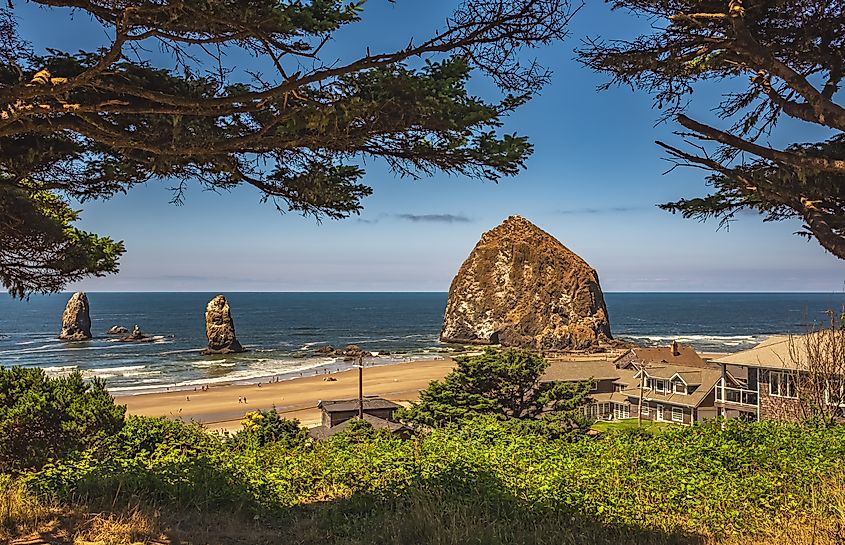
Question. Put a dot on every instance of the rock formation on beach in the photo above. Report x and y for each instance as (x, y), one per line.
(220, 329)
(137, 336)
(117, 330)
(521, 287)
(76, 320)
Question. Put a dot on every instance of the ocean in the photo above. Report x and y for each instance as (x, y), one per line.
(282, 330)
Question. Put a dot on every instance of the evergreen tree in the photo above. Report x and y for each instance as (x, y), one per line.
(775, 58)
(161, 101)
(503, 383)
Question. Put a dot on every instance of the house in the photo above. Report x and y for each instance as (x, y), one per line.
(337, 415)
(665, 384)
(673, 393)
(605, 376)
(770, 375)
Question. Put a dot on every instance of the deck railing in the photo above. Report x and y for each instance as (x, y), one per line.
(737, 396)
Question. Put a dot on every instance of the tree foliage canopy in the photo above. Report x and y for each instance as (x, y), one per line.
(791, 56)
(504, 383)
(168, 98)
(43, 418)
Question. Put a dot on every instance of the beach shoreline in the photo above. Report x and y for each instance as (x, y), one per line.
(221, 407)
(336, 365)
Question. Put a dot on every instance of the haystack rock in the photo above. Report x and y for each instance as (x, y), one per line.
(76, 320)
(220, 329)
(521, 287)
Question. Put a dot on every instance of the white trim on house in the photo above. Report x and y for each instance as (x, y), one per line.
(784, 386)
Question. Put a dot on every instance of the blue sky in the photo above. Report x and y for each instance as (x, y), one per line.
(592, 182)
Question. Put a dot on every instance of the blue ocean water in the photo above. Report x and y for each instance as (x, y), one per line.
(281, 330)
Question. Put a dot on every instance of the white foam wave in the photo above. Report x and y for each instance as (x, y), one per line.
(59, 369)
(103, 370)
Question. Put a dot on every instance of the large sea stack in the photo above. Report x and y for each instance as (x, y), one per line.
(220, 329)
(76, 319)
(521, 287)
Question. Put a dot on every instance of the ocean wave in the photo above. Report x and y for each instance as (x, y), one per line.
(59, 368)
(103, 370)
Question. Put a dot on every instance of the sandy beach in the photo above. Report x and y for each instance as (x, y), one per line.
(219, 409)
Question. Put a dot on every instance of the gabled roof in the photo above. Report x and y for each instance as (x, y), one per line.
(704, 379)
(776, 352)
(572, 371)
(343, 405)
(323, 432)
(686, 355)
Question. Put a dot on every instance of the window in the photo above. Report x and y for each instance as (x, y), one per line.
(660, 386)
(621, 411)
(782, 384)
(677, 414)
(595, 386)
(644, 409)
(680, 388)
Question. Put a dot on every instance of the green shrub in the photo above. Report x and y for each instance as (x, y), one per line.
(43, 418)
(261, 428)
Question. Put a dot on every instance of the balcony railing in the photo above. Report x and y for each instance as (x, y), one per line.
(737, 396)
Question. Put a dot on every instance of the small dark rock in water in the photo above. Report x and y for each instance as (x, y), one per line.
(117, 330)
(136, 336)
(220, 329)
(328, 349)
(76, 320)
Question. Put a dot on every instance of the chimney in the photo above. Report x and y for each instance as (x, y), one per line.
(675, 351)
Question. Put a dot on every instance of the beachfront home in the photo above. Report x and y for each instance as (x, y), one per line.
(337, 415)
(770, 376)
(664, 384)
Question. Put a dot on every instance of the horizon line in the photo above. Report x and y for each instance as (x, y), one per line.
(831, 292)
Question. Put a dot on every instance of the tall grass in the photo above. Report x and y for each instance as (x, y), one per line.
(20, 510)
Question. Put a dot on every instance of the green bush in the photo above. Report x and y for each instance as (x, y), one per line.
(43, 418)
(261, 428)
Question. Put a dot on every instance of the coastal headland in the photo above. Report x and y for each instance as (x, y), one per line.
(221, 407)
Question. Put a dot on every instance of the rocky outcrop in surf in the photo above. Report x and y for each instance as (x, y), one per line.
(76, 319)
(117, 330)
(521, 287)
(220, 328)
(137, 336)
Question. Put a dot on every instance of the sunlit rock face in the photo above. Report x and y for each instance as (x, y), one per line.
(521, 287)
(220, 328)
(76, 319)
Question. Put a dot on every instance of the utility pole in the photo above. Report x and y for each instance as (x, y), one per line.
(640, 404)
(361, 387)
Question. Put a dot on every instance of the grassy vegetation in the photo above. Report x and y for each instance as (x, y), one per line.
(483, 479)
(480, 483)
(631, 424)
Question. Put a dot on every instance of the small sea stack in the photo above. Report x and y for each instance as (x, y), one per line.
(220, 329)
(76, 319)
(521, 287)
(117, 330)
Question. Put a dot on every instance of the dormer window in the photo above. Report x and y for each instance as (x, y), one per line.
(680, 387)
